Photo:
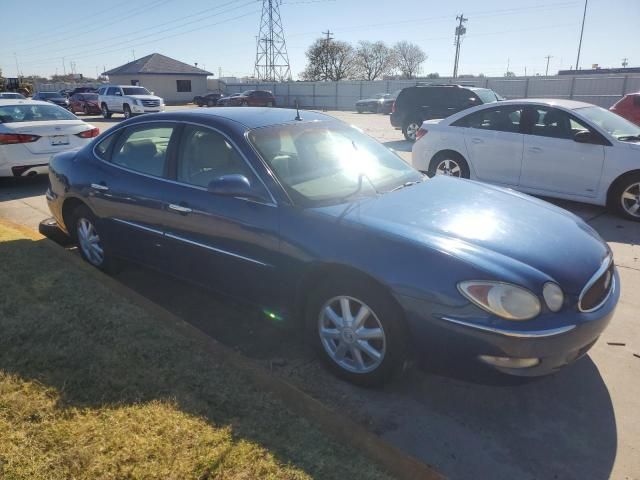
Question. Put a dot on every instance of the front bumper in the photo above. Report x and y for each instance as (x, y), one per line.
(143, 109)
(564, 338)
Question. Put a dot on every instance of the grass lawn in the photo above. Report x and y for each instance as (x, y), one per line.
(92, 386)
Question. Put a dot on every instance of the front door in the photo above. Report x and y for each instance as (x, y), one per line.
(223, 242)
(494, 143)
(553, 161)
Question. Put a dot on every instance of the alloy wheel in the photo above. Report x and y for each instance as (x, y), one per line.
(89, 242)
(631, 200)
(352, 334)
(449, 167)
(412, 129)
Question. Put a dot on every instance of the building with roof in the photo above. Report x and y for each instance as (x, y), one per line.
(175, 81)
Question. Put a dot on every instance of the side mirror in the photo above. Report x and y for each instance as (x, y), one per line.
(585, 136)
(234, 185)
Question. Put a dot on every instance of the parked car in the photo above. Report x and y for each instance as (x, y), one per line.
(253, 98)
(31, 131)
(555, 148)
(224, 101)
(628, 107)
(210, 99)
(311, 219)
(11, 96)
(52, 97)
(424, 102)
(86, 103)
(128, 100)
(374, 104)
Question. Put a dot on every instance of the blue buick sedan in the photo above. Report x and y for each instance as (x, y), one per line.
(314, 221)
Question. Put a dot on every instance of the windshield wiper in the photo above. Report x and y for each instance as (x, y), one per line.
(626, 138)
(405, 184)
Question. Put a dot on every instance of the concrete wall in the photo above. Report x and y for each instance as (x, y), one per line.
(165, 86)
(603, 90)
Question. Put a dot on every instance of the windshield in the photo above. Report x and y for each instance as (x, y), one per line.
(610, 122)
(247, 93)
(33, 113)
(327, 163)
(89, 96)
(11, 95)
(135, 91)
(487, 96)
(381, 95)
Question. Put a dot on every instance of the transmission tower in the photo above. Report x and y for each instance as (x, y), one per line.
(272, 60)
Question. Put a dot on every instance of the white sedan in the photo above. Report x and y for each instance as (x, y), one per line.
(32, 131)
(555, 148)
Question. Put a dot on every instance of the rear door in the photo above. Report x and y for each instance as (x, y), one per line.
(129, 188)
(494, 143)
(227, 243)
(553, 161)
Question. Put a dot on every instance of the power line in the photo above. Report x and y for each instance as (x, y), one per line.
(460, 31)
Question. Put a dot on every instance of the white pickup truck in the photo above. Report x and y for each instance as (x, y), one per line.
(128, 100)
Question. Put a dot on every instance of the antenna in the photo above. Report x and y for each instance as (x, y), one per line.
(298, 117)
(272, 59)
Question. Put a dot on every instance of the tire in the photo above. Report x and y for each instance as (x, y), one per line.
(624, 197)
(210, 103)
(105, 111)
(359, 110)
(448, 163)
(410, 128)
(244, 104)
(96, 253)
(126, 111)
(85, 110)
(341, 350)
(269, 104)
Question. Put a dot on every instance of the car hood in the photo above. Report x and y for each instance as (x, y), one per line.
(370, 100)
(145, 97)
(497, 230)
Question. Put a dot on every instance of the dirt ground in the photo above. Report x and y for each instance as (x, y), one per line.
(580, 423)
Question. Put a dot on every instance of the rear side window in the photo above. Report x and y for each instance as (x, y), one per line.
(487, 96)
(144, 149)
(500, 119)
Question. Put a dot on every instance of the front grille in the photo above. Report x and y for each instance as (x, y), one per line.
(151, 103)
(599, 287)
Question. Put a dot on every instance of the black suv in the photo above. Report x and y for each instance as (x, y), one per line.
(416, 104)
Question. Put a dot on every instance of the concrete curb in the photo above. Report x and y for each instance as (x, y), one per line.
(343, 429)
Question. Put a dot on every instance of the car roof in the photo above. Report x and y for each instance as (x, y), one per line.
(255, 117)
(20, 101)
(555, 102)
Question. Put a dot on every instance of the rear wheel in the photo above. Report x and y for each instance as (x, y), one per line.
(410, 128)
(450, 164)
(105, 111)
(357, 330)
(210, 103)
(624, 197)
(91, 244)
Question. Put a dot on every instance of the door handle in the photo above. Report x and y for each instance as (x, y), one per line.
(179, 208)
(535, 149)
(477, 140)
(99, 186)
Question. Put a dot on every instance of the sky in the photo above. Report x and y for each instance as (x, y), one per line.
(220, 34)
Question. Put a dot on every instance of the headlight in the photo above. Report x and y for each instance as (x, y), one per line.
(136, 101)
(502, 299)
(553, 296)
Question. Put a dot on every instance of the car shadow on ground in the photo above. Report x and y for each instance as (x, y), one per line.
(15, 188)
(399, 145)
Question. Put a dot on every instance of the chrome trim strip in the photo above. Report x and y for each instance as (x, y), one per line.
(115, 130)
(594, 278)
(180, 208)
(552, 332)
(136, 225)
(209, 247)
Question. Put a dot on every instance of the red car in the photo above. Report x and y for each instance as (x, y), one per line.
(628, 107)
(86, 103)
(253, 98)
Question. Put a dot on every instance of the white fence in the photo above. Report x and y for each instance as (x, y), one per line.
(603, 90)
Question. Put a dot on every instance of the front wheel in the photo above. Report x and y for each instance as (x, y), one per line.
(410, 128)
(357, 331)
(127, 112)
(624, 197)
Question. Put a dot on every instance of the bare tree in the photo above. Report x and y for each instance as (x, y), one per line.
(329, 60)
(409, 58)
(374, 59)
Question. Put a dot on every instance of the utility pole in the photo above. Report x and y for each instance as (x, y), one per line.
(460, 31)
(546, 72)
(133, 54)
(328, 34)
(584, 16)
(625, 62)
(272, 59)
(17, 65)
(64, 68)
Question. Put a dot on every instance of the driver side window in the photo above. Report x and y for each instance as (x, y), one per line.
(554, 123)
(205, 155)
